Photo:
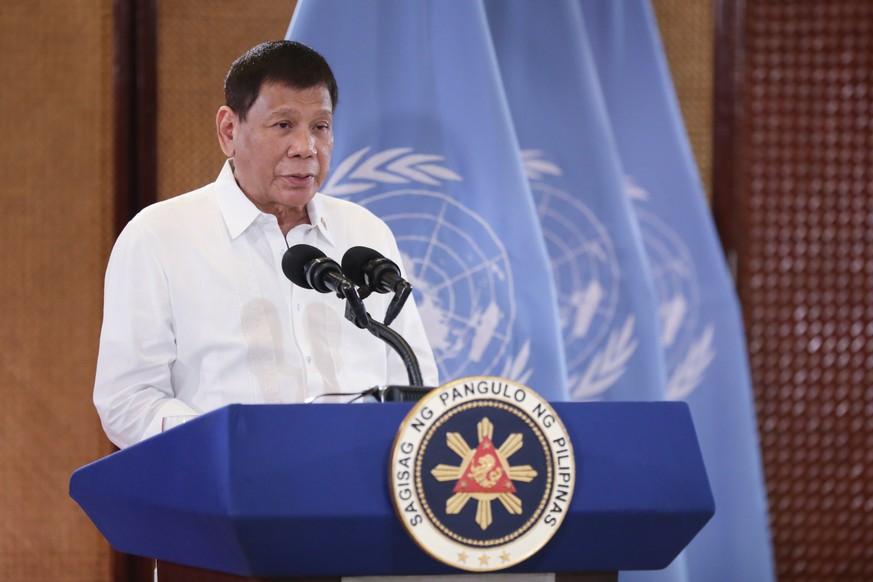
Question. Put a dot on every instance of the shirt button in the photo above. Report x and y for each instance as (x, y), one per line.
(308, 359)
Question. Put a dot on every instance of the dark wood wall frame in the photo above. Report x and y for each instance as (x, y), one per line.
(727, 126)
(135, 106)
(134, 90)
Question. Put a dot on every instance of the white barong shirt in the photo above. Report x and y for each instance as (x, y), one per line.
(198, 313)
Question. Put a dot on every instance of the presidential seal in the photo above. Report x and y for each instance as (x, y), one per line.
(482, 473)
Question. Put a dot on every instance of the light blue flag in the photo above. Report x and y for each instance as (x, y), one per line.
(605, 294)
(424, 139)
(606, 297)
(702, 333)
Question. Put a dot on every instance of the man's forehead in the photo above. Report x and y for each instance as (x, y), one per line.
(314, 95)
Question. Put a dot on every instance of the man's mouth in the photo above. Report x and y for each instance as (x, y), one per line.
(299, 179)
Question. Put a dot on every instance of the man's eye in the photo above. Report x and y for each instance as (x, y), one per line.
(283, 125)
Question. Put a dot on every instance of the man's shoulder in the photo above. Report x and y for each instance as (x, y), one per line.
(185, 221)
(185, 209)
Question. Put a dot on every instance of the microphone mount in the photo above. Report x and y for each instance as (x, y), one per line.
(308, 267)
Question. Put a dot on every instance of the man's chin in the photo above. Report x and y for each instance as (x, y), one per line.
(295, 197)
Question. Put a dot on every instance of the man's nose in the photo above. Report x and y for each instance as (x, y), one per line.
(302, 144)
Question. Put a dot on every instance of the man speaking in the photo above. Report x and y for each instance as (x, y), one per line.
(198, 313)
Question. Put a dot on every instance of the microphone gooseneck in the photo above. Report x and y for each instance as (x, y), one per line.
(396, 341)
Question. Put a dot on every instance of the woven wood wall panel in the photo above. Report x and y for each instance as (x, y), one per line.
(197, 42)
(806, 276)
(55, 232)
(686, 28)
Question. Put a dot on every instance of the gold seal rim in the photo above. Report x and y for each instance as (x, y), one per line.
(552, 492)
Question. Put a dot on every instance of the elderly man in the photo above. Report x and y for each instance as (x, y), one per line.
(198, 313)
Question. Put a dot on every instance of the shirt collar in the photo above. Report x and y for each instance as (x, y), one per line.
(239, 212)
(319, 217)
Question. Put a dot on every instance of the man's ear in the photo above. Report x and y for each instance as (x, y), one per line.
(226, 124)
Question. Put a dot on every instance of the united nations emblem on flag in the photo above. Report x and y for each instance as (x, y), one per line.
(482, 473)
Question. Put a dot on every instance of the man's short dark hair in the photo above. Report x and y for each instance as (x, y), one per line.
(285, 62)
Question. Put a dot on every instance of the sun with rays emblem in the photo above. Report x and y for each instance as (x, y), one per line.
(484, 473)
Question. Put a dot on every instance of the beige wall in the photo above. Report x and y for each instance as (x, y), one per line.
(199, 39)
(687, 31)
(56, 190)
(55, 224)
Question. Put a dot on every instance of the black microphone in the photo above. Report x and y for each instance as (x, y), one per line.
(308, 267)
(371, 269)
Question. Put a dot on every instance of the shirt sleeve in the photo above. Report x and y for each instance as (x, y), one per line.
(132, 389)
